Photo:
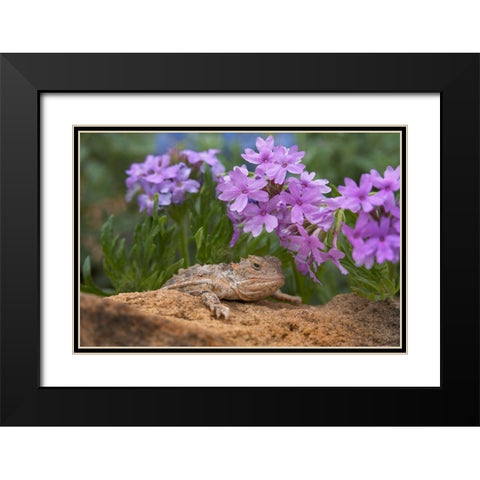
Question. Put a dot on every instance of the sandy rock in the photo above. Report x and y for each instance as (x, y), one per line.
(172, 318)
(106, 322)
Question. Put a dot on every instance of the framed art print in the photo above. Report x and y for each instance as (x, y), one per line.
(248, 244)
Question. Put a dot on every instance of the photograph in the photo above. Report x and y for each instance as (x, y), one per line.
(239, 238)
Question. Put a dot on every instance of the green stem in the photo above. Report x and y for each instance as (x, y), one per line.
(296, 276)
(184, 241)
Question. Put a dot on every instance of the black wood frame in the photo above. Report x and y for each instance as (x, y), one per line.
(24, 77)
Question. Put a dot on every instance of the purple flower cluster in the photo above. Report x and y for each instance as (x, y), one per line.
(282, 198)
(376, 234)
(169, 177)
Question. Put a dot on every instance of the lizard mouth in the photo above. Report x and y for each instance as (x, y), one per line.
(260, 287)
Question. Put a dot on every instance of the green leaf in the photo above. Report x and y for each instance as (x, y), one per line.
(378, 283)
(88, 285)
(172, 269)
(199, 238)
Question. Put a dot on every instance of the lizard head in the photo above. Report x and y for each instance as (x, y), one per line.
(258, 277)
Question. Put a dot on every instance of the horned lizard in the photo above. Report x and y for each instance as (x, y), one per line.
(253, 278)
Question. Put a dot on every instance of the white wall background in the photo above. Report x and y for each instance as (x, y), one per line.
(302, 26)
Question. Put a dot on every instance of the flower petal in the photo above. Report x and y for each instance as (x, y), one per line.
(240, 203)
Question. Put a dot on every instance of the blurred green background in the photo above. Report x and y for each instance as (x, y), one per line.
(105, 156)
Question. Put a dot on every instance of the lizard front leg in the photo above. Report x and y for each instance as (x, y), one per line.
(211, 300)
(285, 297)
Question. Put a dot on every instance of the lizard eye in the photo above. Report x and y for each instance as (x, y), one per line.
(256, 266)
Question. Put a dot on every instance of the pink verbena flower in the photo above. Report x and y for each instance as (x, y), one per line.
(383, 240)
(259, 216)
(284, 160)
(362, 254)
(208, 157)
(264, 155)
(306, 182)
(240, 187)
(167, 177)
(387, 185)
(291, 205)
(304, 202)
(356, 198)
